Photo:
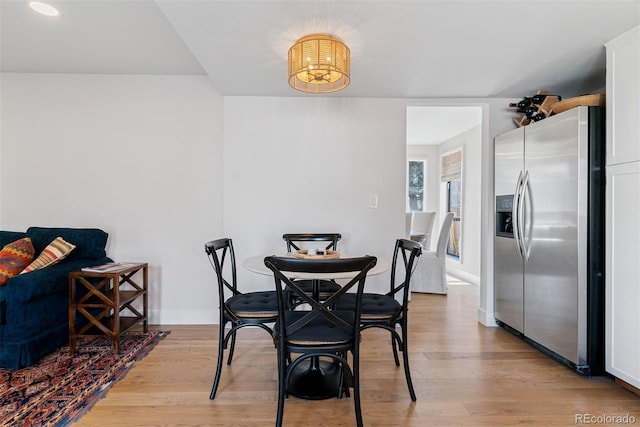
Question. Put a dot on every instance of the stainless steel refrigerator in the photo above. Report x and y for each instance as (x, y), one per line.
(549, 242)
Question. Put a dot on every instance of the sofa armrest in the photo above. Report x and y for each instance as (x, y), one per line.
(47, 281)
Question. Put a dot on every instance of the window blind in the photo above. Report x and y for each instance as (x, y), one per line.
(451, 167)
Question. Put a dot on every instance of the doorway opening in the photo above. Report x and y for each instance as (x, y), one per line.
(436, 133)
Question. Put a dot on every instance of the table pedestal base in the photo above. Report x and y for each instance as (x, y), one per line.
(316, 380)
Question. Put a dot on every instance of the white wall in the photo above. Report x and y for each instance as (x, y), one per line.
(468, 265)
(355, 147)
(309, 164)
(138, 156)
(145, 158)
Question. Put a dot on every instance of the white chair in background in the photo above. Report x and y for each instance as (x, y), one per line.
(407, 225)
(430, 275)
(421, 228)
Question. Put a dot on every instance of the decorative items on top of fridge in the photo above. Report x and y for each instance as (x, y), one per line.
(542, 105)
(534, 108)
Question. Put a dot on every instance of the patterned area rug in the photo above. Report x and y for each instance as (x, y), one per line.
(61, 388)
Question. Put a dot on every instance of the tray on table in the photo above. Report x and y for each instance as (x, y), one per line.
(329, 254)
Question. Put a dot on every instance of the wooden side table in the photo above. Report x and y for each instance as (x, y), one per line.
(105, 300)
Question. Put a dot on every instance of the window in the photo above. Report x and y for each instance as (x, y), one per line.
(454, 204)
(415, 187)
(452, 177)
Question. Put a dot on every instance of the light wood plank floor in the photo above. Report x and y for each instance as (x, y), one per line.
(464, 374)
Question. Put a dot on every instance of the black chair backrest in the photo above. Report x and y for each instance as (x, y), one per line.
(284, 267)
(407, 252)
(293, 239)
(221, 256)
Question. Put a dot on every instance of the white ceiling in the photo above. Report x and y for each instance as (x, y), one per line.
(92, 37)
(404, 49)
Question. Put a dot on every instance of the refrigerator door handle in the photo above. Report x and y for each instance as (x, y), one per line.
(516, 216)
(525, 209)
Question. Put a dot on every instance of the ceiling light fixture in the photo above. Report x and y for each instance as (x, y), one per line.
(319, 63)
(44, 8)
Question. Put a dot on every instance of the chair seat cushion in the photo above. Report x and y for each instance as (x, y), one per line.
(254, 304)
(374, 306)
(319, 330)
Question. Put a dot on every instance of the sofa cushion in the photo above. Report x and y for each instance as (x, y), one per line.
(55, 252)
(14, 257)
(90, 242)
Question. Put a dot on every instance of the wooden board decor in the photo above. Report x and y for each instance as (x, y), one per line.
(329, 254)
(595, 100)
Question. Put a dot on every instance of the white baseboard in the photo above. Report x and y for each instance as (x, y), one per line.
(487, 319)
(182, 317)
(463, 275)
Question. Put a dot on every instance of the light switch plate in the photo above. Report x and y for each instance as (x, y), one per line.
(373, 200)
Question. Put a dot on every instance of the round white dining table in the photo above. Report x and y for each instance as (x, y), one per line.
(256, 265)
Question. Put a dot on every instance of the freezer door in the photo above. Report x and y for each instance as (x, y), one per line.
(508, 268)
(555, 218)
(509, 284)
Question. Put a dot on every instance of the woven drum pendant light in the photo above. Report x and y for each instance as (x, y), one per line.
(319, 63)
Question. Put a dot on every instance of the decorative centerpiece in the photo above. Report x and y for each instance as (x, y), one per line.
(316, 254)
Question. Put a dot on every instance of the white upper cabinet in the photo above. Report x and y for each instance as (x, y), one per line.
(623, 98)
(622, 325)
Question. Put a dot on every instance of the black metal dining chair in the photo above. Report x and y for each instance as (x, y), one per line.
(294, 240)
(318, 331)
(323, 288)
(236, 308)
(390, 309)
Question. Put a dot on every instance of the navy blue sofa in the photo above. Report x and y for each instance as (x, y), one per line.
(34, 307)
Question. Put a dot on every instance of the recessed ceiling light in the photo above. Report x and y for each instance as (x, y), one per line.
(44, 8)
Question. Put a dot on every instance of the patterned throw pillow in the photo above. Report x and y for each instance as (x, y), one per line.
(14, 257)
(56, 251)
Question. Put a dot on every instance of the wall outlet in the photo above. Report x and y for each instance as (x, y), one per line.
(373, 201)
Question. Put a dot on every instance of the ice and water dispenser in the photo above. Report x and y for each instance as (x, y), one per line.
(504, 223)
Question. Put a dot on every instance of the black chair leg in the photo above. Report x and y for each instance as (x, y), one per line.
(342, 388)
(232, 348)
(345, 380)
(405, 359)
(395, 343)
(216, 381)
(356, 389)
(282, 389)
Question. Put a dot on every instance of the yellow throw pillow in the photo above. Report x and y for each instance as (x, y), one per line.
(14, 257)
(56, 251)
